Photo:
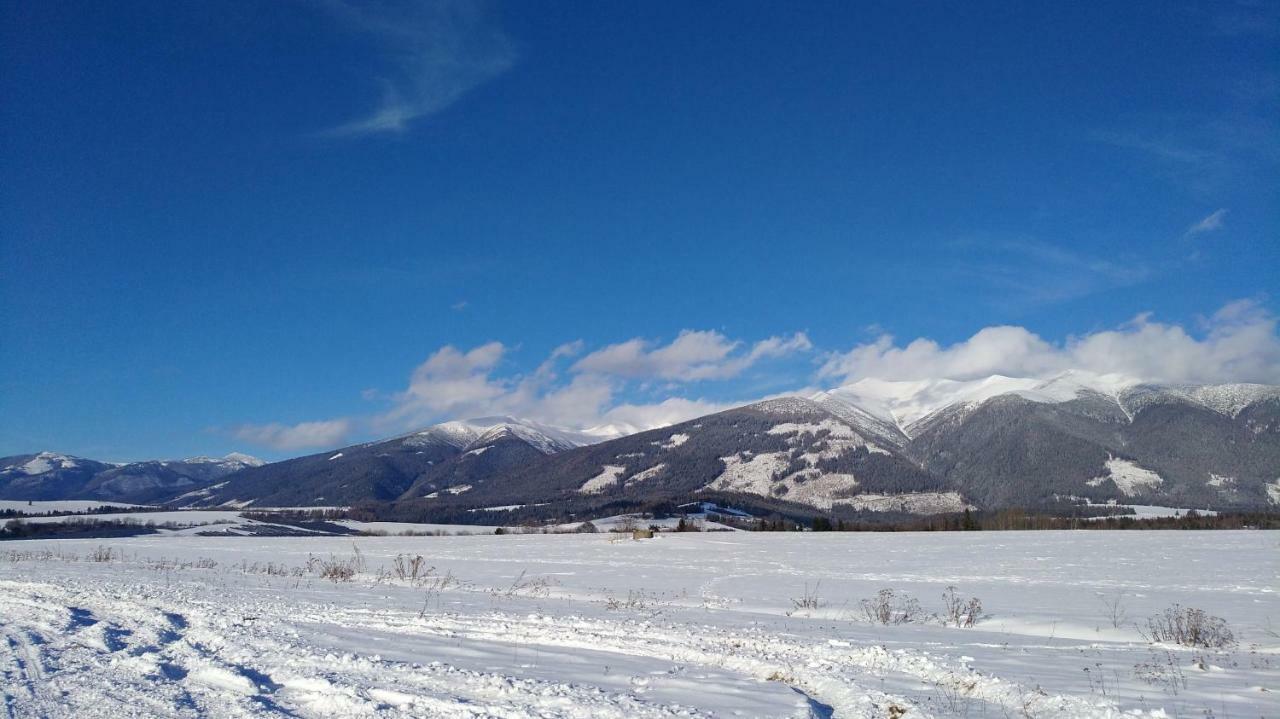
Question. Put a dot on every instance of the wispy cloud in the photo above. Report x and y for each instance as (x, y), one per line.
(692, 356)
(1025, 273)
(1205, 154)
(1210, 223)
(305, 435)
(436, 51)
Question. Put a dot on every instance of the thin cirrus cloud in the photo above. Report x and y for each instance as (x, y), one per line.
(1212, 222)
(436, 51)
(305, 435)
(1019, 274)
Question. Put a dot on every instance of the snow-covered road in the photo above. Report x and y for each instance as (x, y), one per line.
(684, 625)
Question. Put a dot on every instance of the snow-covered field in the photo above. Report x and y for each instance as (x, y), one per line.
(693, 625)
(68, 505)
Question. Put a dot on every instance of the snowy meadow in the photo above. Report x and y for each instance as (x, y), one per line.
(977, 624)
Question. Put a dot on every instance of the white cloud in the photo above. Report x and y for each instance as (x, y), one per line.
(305, 435)
(629, 418)
(1208, 224)
(691, 356)
(437, 51)
(1237, 344)
(453, 383)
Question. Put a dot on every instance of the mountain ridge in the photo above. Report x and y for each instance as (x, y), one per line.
(910, 446)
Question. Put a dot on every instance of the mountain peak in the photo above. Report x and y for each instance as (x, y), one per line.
(242, 458)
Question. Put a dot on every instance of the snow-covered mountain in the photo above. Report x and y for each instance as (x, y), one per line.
(1023, 441)
(921, 447)
(771, 455)
(464, 434)
(873, 445)
(443, 455)
(49, 475)
(909, 405)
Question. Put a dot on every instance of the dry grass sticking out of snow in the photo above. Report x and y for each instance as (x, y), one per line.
(691, 625)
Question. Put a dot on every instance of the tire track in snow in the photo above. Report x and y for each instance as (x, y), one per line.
(223, 663)
(216, 657)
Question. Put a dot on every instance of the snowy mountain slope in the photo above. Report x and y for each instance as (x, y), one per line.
(432, 459)
(907, 404)
(1022, 441)
(994, 442)
(789, 451)
(47, 475)
(54, 476)
(465, 433)
(931, 445)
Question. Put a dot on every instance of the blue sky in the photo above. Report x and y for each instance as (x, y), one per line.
(280, 226)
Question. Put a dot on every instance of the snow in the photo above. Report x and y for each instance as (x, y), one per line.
(336, 456)
(596, 625)
(1128, 477)
(675, 440)
(762, 474)
(236, 458)
(61, 505)
(186, 522)
(200, 493)
(44, 462)
(646, 474)
(798, 406)
(905, 403)
(469, 433)
(628, 522)
(1218, 480)
(753, 475)
(607, 478)
(245, 459)
(411, 528)
(1150, 511)
(910, 503)
(1229, 399)
(476, 452)
(765, 473)
(183, 517)
(1273, 492)
(831, 427)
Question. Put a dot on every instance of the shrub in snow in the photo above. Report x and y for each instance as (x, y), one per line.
(891, 607)
(960, 612)
(411, 569)
(807, 601)
(1164, 672)
(102, 554)
(1189, 627)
